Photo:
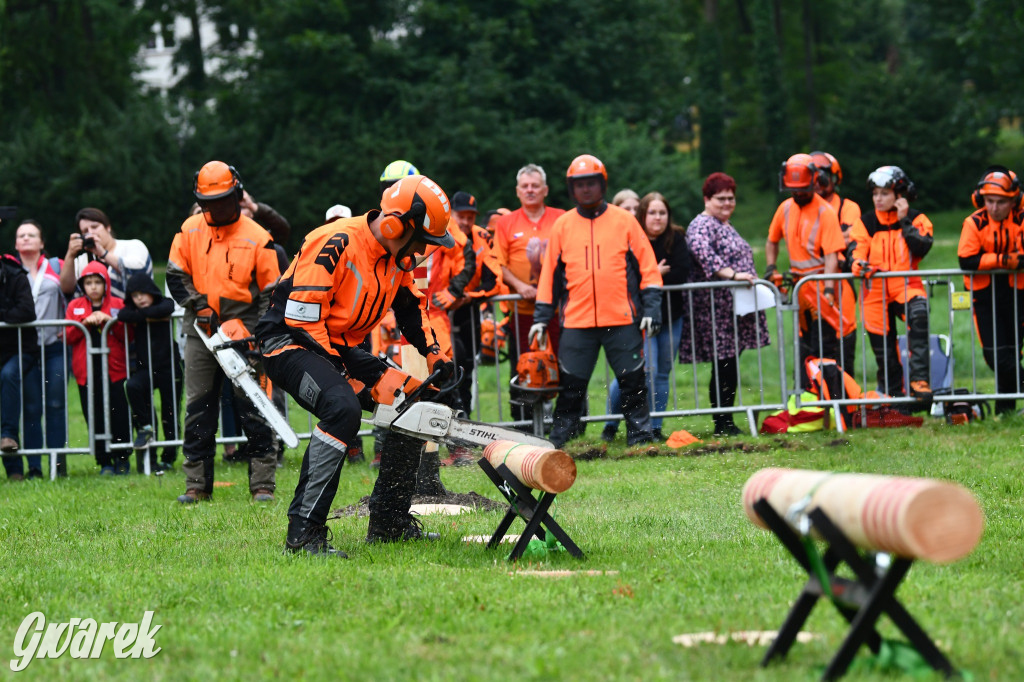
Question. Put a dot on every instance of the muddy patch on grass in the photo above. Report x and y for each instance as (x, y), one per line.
(471, 499)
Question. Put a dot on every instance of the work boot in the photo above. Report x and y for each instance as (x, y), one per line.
(410, 529)
(608, 433)
(921, 390)
(725, 426)
(262, 495)
(192, 496)
(305, 536)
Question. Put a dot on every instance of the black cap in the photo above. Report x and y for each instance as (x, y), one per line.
(464, 201)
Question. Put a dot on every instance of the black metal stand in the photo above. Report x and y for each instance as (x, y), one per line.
(859, 601)
(533, 511)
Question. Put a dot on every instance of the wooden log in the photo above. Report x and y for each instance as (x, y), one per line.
(911, 517)
(540, 468)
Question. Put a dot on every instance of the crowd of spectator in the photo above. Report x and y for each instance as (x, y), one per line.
(588, 279)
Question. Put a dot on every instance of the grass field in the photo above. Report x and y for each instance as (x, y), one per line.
(671, 528)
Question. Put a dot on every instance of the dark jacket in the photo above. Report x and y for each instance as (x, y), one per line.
(16, 306)
(678, 256)
(154, 344)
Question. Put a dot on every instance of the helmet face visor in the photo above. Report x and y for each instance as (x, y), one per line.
(221, 211)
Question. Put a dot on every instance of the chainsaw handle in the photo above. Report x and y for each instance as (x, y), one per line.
(417, 392)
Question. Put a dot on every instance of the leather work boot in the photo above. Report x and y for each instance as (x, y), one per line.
(262, 495)
(410, 529)
(307, 537)
(192, 496)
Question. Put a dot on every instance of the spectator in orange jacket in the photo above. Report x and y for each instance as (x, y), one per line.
(94, 310)
(520, 240)
(814, 242)
(600, 270)
(891, 238)
(992, 238)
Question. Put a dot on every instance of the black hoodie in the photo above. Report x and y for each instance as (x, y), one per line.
(152, 326)
(16, 306)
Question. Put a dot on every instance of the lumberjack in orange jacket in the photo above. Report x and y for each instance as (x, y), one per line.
(600, 270)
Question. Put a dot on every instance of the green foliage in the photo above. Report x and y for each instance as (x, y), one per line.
(917, 120)
(712, 119)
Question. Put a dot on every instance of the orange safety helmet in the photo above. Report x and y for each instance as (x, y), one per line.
(218, 191)
(416, 203)
(997, 180)
(829, 168)
(586, 166)
(798, 174)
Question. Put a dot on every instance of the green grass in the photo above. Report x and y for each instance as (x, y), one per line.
(232, 607)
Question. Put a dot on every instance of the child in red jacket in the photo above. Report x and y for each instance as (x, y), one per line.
(93, 311)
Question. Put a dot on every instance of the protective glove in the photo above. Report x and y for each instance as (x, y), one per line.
(648, 325)
(1010, 261)
(829, 294)
(864, 269)
(538, 333)
(208, 321)
(773, 275)
(438, 361)
(443, 299)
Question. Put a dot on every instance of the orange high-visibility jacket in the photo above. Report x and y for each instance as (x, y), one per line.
(230, 269)
(486, 281)
(983, 242)
(339, 287)
(811, 232)
(847, 210)
(601, 271)
(882, 244)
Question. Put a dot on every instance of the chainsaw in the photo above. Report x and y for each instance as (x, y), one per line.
(412, 416)
(225, 349)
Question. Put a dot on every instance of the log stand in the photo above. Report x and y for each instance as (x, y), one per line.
(859, 601)
(533, 511)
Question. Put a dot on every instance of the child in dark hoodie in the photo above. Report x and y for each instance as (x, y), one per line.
(93, 311)
(157, 367)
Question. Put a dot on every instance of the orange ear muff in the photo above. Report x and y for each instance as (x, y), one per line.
(976, 199)
(392, 227)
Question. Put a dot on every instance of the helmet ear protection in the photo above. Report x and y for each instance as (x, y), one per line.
(1014, 190)
(394, 226)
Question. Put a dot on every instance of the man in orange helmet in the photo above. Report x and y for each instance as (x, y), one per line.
(600, 268)
(221, 267)
(828, 311)
(891, 238)
(992, 238)
(520, 240)
(830, 176)
(335, 292)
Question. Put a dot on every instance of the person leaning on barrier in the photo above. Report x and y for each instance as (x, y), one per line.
(311, 337)
(674, 263)
(719, 254)
(828, 310)
(45, 386)
(94, 241)
(520, 240)
(891, 238)
(221, 267)
(607, 302)
(19, 352)
(992, 238)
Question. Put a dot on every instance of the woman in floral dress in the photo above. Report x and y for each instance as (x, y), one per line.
(715, 335)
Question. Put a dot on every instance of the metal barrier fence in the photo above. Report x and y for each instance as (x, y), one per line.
(768, 376)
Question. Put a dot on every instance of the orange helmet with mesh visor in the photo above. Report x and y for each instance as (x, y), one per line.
(218, 191)
(828, 166)
(798, 174)
(420, 205)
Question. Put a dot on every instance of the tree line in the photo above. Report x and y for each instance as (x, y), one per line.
(310, 99)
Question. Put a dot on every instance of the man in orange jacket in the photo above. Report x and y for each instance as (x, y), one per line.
(891, 238)
(814, 241)
(221, 267)
(992, 238)
(601, 271)
(335, 292)
(830, 176)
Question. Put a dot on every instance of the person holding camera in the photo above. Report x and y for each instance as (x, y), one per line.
(95, 241)
(892, 238)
